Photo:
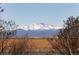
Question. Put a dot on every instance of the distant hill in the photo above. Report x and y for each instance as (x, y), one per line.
(37, 30)
(36, 33)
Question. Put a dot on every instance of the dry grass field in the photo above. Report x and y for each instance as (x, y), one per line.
(28, 46)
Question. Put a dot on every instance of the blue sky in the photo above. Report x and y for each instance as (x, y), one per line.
(27, 13)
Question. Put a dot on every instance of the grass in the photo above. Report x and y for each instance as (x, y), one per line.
(27, 46)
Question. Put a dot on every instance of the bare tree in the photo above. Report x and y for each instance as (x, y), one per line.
(11, 27)
(7, 29)
(1, 33)
(69, 37)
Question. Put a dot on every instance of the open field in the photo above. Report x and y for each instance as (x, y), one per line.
(28, 46)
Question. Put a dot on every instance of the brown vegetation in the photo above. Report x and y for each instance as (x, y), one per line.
(26, 46)
(68, 38)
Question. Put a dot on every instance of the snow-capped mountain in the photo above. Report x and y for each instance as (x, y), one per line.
(38, 26)
(37, 30)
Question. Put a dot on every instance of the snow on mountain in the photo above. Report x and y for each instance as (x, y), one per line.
(38, 26)
(37, 30)
(24, 27)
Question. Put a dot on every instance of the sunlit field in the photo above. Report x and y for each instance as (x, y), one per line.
(27, 46)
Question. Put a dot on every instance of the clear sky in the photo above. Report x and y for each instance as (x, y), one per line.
(36, 13)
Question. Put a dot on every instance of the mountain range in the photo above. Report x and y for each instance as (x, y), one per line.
(37, 30)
